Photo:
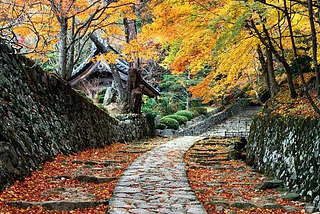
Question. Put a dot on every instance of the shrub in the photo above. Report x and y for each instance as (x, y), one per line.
(195, 113)
(102, 91)
(187, 114)
(170, 123)
(161, 126)
(200, 110)
(101, 98)
(181, 119)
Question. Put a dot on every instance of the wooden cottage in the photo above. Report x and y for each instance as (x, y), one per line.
(100, 72)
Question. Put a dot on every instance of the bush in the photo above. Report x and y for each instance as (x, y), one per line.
(200, 110)
(187, 114)
(195, 113)
(161, 126)
(170, 123)
(100, 98)
(179, 118)
(102, 91)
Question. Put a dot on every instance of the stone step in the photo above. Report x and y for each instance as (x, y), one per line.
(204, 150)
(214, 144)
(212, 163)
(270, 184)
(106, 162)
(58, 205)
(134, 151)
(204, 155)
(85, 178)
(93, 179)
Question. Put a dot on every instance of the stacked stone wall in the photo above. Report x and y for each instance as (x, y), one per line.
(287, 147)
(41, 116)
(208, 123)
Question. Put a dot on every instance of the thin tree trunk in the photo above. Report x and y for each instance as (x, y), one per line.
(264, 66)
(295, 52)
(314, 48)
(72, 49)
(268, 44)
(272, 80)
(118, 85)
(134, 99)
(255, 90)
(188, 93)
(63, 47)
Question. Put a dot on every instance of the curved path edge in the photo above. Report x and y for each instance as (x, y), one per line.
(157, 182)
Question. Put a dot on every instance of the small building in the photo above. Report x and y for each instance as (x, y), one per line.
(98, 75)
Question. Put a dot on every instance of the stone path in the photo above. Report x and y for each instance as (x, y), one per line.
(235, 126)
(81, 181)
(156, 182)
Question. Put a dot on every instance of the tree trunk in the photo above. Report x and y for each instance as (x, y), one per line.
(118, 85)
(63, 47)
(72, 49)
(189, 95)
(134, 99)
(255, 90)
(268, 44)
(271, 76)
(295, 52)
(263, 66)
(314, 48)
(115, 73)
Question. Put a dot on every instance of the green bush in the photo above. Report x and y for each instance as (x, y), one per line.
(200, 110)
(100, 98)
(195, 113)
(187, 114)
(181, 119)
(161, 126)
(170, 123)
(102, 91)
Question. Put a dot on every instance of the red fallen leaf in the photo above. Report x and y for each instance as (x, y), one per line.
(227, 180)
(32, 188)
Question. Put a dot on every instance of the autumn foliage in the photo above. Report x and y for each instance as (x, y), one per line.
(38, 186)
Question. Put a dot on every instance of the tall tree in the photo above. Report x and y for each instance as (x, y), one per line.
(295, 52)
(314, 46)
(134, 86)
(72, 20)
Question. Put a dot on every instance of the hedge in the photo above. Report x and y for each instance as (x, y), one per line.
(161, 126)
(179, 118)
(170, 123)
(200, 110)
(187, 114)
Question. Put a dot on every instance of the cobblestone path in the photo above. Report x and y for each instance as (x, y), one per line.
(157, 183)
(237, 125)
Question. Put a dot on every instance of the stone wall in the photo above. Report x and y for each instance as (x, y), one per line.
(42, 116)
(287, 148)
(213, 119)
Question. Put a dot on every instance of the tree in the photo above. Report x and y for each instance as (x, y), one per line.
(225, 36)
(314, 46)
(72, 20)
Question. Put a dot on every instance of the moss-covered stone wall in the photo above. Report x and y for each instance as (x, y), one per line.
(41, 116)
(287, 147)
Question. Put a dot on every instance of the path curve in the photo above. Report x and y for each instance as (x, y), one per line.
(157, 182)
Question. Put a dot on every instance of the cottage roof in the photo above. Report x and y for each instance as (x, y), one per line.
(88, 67)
